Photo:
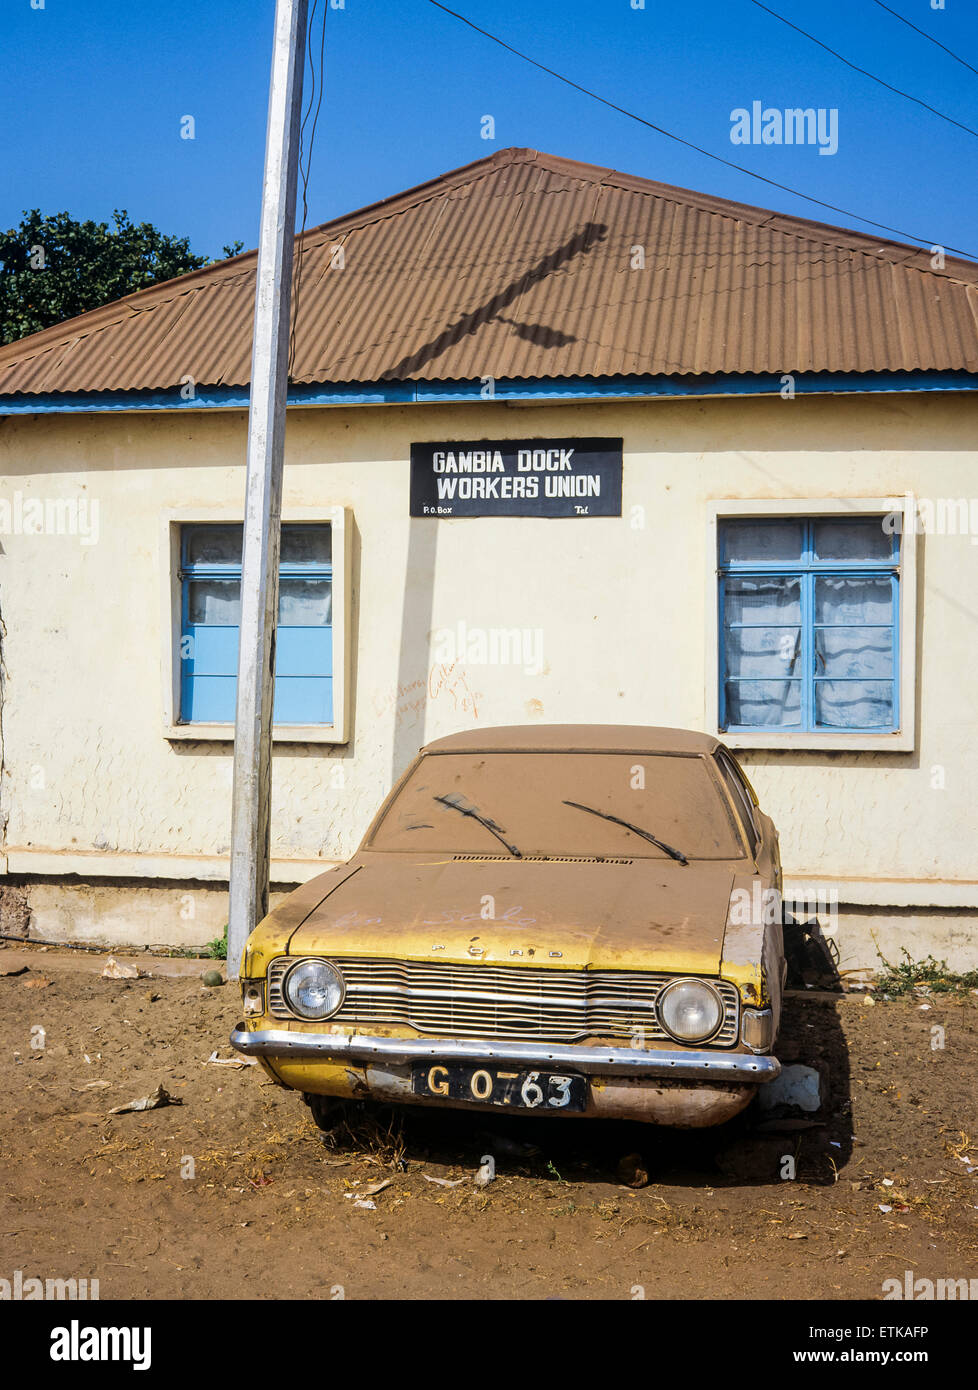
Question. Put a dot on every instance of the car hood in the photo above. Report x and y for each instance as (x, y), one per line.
(642, 914)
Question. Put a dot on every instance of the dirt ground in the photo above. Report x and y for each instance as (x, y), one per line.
(271, 1210)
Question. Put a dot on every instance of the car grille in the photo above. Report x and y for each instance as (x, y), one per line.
(505, 1002)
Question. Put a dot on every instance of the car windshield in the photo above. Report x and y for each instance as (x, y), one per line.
(524, 796)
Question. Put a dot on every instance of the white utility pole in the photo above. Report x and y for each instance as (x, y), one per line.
(251, 818)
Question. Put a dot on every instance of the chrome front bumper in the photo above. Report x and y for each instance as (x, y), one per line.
(593, 1061)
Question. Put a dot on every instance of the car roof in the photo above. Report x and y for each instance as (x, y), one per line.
(576, 738)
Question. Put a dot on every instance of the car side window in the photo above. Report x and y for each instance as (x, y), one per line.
(741, 798)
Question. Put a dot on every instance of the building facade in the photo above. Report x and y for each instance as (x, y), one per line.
(786, 555)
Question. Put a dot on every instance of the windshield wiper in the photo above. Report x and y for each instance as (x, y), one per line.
(637, 830)
(490, 825)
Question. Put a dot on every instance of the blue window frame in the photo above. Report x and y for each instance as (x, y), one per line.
(809, 630)
(210, 581)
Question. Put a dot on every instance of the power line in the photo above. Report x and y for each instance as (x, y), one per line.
(730, 164)
(864, 71)
(304, 170)
(924, 35)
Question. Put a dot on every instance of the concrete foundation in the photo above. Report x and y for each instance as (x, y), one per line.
(104, 912)
(186, 914)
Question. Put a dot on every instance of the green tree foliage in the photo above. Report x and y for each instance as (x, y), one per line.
(52, 268)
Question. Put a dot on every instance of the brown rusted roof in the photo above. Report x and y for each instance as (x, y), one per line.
(601, 738)
(520, 266)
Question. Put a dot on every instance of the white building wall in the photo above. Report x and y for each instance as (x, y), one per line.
(91, 786)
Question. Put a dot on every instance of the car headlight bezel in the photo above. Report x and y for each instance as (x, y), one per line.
(329, 973)
(757, 1029)
(253, 996)
(686, 982)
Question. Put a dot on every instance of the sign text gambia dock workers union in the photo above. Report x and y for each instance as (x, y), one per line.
(517, 477)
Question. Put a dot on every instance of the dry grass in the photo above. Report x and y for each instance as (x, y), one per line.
(373, 1136)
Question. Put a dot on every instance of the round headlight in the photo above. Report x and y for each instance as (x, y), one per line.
(690, 1010)
(313, 989)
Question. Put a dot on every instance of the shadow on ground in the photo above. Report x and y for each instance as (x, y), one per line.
(758, 1146)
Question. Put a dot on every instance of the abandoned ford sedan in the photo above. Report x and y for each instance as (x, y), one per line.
(564, 920)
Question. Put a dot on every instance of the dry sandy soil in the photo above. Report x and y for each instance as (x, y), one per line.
(271, 1208)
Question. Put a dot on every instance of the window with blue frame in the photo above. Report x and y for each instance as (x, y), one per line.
(210, 579)
(808, 625)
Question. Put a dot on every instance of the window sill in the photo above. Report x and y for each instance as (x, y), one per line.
(900, 742)
(281, 733)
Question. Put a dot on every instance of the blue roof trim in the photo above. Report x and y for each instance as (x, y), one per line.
(540, 388)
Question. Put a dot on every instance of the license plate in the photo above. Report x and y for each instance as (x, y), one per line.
(521, 1090)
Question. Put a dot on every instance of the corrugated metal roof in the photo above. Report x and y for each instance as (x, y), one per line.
(521, 265)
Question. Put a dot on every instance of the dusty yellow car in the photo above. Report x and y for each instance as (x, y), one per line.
(562, 920)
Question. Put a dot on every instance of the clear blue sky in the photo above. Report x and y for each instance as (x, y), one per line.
(92, 93)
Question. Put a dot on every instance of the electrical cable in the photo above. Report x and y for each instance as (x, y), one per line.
(865, 71)
(305, 170)
(679, 139)
(924, 35)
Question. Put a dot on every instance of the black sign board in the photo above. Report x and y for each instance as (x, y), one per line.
(517, 477)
